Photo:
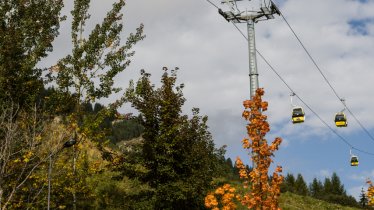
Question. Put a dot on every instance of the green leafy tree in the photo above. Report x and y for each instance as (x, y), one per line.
(95, 60)
(27, 30)
(88, 73)
(177, 151)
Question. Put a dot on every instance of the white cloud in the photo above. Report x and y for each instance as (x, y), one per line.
(362, 176)
(324, 173)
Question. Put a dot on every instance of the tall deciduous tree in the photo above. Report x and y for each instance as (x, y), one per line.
(27, 30)
(95, 60)
(179, 152)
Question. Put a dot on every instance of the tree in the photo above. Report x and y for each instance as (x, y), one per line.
(300, 186)
(95, 61)
(288, 184)
(27, 30)
(316, 188)
(336, 187)
(263, 193)
(26, 143)
(327, 186)
(363, 198)
(370, 193)
(178, 152)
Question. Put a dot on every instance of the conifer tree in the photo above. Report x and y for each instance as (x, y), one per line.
(288, 184)
(337, 187)
(300, 186)
(316, 188)
(327, 186)
(363, 198)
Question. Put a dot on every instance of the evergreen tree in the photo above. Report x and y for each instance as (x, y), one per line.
(327, 186)
(363, 198)
(177, 151)
(288, 184)
(300, 186)
(316, 188)
(336, 187)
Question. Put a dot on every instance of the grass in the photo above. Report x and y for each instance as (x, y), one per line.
(290, 201)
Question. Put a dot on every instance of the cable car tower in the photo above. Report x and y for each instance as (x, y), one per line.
(265, 11)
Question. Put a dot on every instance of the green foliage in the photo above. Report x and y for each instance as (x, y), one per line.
(288, 184)
(336, 187)
(300, 186)
(94, 62)
(332, 190)
(363, 198)
(113, 193)
(316, 188)
(290, 201)
(178, 152)
(126, 129)
(27, 30)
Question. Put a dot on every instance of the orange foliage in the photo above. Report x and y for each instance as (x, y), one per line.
(262, 194)
(225, 194)
(370, 193)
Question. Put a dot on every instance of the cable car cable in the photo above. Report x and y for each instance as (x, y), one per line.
(213, 4)
(323, 75)
(324, 122)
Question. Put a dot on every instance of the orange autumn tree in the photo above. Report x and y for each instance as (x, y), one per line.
(262, 192)
(370, 193)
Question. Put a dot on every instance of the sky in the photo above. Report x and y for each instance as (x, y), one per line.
(213, 60)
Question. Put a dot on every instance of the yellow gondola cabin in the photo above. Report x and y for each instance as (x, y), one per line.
(298, 115)
(354, 160)
(341, 120)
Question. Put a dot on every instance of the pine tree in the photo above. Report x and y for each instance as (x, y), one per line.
(336, 187)
(363, 198)
(288, 184)
(316, 188)
(327, 186)
(300, 186)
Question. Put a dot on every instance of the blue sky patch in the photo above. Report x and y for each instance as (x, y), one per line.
(359, 26)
